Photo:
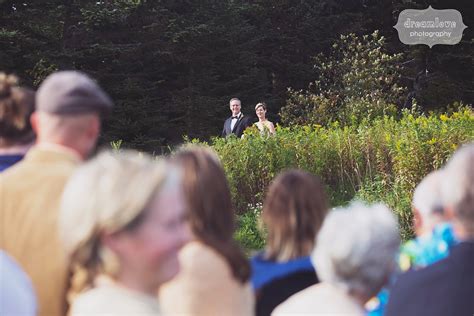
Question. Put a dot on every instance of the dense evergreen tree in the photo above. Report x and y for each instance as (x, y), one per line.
(172, 65)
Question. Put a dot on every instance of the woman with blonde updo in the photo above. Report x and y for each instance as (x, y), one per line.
(16, 134)
(123, 221)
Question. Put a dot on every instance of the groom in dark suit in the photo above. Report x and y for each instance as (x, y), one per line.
(237, 123)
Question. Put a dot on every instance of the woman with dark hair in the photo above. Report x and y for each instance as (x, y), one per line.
(264, 126)
(293, 212)
(16, 134)
(214, 271)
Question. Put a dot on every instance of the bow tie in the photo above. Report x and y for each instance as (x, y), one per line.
(235, 117)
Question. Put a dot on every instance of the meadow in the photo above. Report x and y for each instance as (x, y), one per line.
(381, 160)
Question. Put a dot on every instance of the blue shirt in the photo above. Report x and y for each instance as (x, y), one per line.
(265, 271)
(7, 161)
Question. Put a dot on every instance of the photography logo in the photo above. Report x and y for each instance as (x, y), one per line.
(430, 27)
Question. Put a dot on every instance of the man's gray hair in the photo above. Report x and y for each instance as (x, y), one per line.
(235, 99)
(356, 248)
(427, 198)
(458, 186)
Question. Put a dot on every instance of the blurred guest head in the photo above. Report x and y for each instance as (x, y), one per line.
(427, 203)
(210, 213)
(123, 216)
(16, 106)
(356, 249)
(458, 191)
(293, 212)
(17, 296)
(69, 106)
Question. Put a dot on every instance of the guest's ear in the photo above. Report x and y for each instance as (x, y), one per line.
(417, 220)
(93, 130)
(34, 122)
(449, 213)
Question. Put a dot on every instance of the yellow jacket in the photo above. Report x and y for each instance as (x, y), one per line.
(30, 193)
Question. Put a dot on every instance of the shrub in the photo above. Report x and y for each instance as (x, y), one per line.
(249, 233)
(358, 80)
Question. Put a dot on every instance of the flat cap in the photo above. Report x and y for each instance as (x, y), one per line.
(72, 92)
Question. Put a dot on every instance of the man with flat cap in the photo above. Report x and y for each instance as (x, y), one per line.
(67, 120)
(237, 123)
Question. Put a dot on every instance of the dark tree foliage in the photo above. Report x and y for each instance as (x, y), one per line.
(435, 77)
(172, 65)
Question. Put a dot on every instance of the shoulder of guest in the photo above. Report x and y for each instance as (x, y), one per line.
(50, 149)
(98, 299)
(422, 278)
(199, 261)
(92, 300)
(299, 302)
(196, 255)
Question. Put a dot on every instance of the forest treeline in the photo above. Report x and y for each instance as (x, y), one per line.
(172, 65)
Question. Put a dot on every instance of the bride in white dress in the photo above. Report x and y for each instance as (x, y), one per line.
(264, 125)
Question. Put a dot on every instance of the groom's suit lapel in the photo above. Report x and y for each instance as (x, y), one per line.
(236, 123)
(229, 124)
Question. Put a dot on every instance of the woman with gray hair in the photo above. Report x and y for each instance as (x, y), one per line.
(355, 254)
(448, 285)
(122, 223)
